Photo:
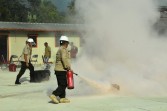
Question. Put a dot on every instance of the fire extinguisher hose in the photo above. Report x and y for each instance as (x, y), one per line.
(75, 74)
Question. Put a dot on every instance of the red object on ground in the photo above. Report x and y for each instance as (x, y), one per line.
(12, 67)
(70, 80)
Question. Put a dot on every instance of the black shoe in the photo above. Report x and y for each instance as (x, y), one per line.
(17, 82)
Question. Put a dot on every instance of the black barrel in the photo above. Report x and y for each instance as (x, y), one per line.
(41, 75)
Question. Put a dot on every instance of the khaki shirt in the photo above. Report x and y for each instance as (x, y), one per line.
(27, 50)
(47, 51)
(62, 59)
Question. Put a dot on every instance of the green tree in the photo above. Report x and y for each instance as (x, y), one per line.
(47, 12)
(33, 10)
(12, 10)
(29, 11)
(71, 7)
(72, 15)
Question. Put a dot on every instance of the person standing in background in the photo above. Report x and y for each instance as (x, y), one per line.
(25, 61)
(73, 50)
(47, 55)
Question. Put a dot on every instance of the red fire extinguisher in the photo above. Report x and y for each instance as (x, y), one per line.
(70, 80)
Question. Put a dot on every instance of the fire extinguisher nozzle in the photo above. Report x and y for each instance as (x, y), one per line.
(76, 74)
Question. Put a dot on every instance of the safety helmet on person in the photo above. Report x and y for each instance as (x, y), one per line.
(30, 40)
(64, 38)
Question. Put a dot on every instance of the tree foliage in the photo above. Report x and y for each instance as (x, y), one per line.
(71, 7)
(29, 11)
(73, 16)
(48, 12)
(12, 11)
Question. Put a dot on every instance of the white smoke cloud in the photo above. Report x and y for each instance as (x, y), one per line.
(122, 47)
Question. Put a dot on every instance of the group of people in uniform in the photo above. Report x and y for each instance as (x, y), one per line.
(62, 65)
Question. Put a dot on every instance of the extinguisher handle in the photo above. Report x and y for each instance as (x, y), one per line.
(69, 70)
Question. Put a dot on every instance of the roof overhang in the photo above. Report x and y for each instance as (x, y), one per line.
(45, 27)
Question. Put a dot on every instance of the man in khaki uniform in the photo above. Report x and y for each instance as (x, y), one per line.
(47, 55)
(61, 66)
(25, 61)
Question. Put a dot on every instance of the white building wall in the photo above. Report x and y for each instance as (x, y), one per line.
(17, 43)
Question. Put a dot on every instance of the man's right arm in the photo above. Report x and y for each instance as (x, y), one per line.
(26, 60)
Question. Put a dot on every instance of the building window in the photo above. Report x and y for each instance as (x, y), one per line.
(34, 37)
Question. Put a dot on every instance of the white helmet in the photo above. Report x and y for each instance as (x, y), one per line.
(30, 40)
(64, 38)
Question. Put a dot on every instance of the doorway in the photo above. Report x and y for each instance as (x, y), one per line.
(3, 47)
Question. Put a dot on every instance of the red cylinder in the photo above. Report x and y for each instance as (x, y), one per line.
(70, 80)
(12, 67)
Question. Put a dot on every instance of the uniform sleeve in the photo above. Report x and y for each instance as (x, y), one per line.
(64, 56)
